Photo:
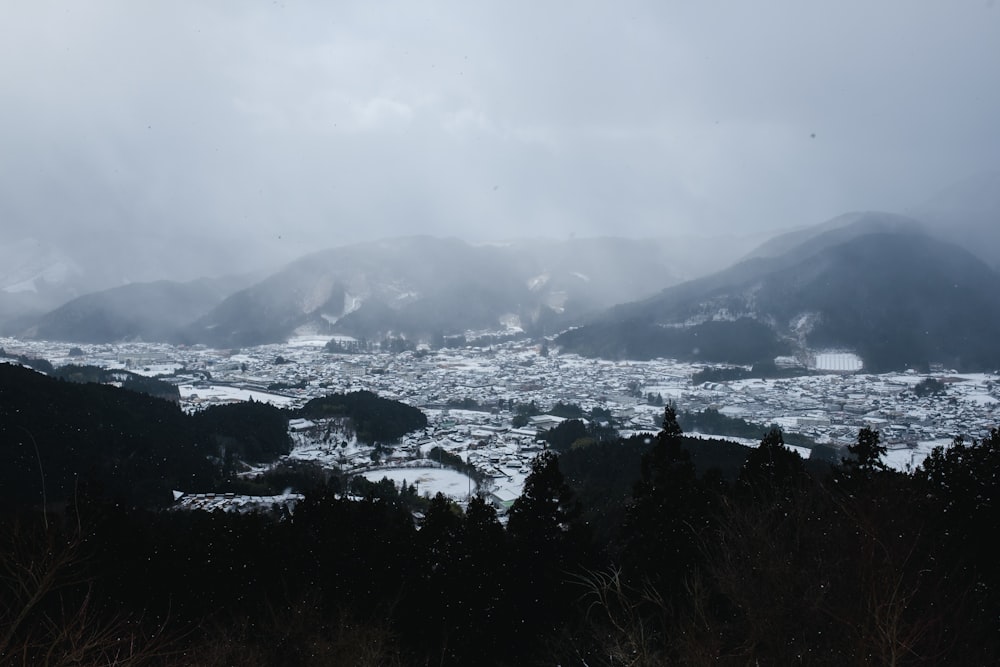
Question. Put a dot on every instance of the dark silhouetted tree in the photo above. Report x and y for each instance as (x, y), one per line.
(547, 545)
(866, 453)
(669, 509)
(771, 471)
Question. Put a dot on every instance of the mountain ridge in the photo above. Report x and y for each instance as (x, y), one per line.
(137, 311)
(900, 298)
(417, 286)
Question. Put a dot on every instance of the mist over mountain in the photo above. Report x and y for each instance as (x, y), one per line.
(841, 229)
(874, 285)
(424, 287)
(138, 311)
(417, 287)
(34, 278)
(967, 213)
(420, 287)
(37, 277)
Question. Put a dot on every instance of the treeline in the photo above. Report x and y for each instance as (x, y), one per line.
(651, 551)
(127, 379)
(742, 341)
(713, 422)
(399, 344)
(574, 433)
(524, 411)
(375, 419)
(762, 369)
(929, 387)
(80, 373)
(455, 462)
(39, 364)
(59, 438)
(362, 345)
(440, 341)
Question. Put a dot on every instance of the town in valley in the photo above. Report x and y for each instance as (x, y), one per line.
(469, 395)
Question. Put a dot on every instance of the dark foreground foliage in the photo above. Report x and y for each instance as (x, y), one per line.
(652, 551)
(68, 434)
(58, 438)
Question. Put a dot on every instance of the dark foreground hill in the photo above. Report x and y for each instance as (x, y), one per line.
(626, 552)
(898, 298)
(62, 438)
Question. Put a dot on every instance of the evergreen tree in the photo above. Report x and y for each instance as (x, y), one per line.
(771, 470)
(963, 481)
(862, 465)
(960, 485)
(484, 616)
(547, 545)
(565, 434)
(866, 453)
(546, 507)
(669, 508)
(439, 586)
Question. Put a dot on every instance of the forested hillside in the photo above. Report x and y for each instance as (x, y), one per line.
(899, 299)
(59, 439)
(373, 419)
(657, 550)
(68, 435)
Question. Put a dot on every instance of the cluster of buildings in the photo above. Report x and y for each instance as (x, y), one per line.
(471, 396)
(281, 505)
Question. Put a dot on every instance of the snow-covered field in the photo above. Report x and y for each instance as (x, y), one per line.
(429, 481)
(907, 460)
(313, 340)
(190, 393)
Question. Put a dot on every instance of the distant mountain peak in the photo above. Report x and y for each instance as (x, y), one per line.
(877, 286)
(840, 229)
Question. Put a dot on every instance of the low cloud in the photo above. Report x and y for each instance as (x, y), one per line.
(267, 130)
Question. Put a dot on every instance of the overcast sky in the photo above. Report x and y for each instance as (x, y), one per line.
(292, 126)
